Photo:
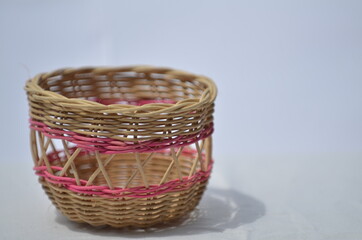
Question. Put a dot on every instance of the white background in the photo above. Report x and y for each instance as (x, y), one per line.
(288, 139)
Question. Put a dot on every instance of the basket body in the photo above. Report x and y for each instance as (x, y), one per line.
(129, 146)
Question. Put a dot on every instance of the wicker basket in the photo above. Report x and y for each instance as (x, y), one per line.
(127, 146)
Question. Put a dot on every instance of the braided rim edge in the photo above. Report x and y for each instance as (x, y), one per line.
(208, 97)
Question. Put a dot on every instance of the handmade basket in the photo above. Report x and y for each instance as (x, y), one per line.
(126, 146)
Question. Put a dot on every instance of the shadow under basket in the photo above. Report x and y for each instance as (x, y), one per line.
(124, 147)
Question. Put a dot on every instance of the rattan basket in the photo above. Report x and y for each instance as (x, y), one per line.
(125, 146)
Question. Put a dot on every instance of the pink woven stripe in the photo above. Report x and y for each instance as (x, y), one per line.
(110, 101)
(135, 192)
(109, 145)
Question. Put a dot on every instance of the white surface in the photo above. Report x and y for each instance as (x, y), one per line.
(288, 140)
(275, 197)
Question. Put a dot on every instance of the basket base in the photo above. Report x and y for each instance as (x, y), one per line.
(127, 211)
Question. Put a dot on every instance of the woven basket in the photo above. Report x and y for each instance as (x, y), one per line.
(127, 146)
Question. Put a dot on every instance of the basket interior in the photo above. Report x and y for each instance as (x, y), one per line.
(119, 170)
(123, 166)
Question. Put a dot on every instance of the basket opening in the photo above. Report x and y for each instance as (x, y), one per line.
(125, 87)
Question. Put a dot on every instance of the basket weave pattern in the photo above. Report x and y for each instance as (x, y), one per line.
(128, 146)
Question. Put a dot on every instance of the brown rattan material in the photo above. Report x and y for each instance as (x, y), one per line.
(76, 142)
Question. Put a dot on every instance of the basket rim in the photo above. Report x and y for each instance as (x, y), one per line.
(40, 94)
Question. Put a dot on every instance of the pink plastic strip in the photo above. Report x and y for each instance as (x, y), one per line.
(109, 145)
(134, 192)
(110, 101)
